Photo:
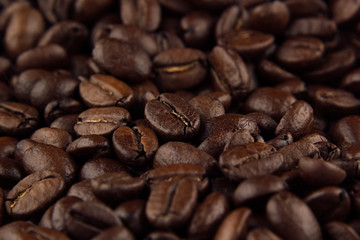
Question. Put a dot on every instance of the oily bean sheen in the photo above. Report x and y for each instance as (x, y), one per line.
(101, 121)
(171, 117)
(124, 60)
(34, 194)
(104, 90)
(291, 217)
(171, 204)
(179, 68)
(135, 146)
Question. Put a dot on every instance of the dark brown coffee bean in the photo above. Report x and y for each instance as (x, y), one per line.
(261, 233)
(207, 107)
(6, 94)
(120, 233)
(314, 138)
(24, 28)
(85, 220)
(234, 17)
(59, 211)
(60, 107)
(180, 152)
(339, 230)
(89, 11)
(281, 140)
(46, 157)
(177, 6)
(104, 90)
(334, 66)
(162, 235)
(229, 72)
(274, 102)
(257, 187)
(248, 43)
(66, 122)
(345, 131)
(145, 14)
(83, 191)
(300, 8)
(90, 146)
(71, 35)
(166, 40)
(336, 102)
(239, 138)
(122, 59)
(317, 172)
(350, 82)
(197, 28)
(329, 204)
(295, 151)
(208, 215)
(350, 167)
(34, 194)
(135, 146)
(7, 146)
(101, 121)
(172, 118)
(17, 119)
(26, 230)
(11, 172)
(266, 124)
(329, 151)
(298, 120)
(45, 220)
(51, 56)
(228, 122)
(171, 204)
(132, 214)
(320, 27)
(144, 92)
(272, 73)
(52, 136)
(179, 68)
(99, 166)
(117, 187)
(294, 86)
(344, 13)
(223, 97)
(291, 217)
(235, 225)
(214, 144)
(272, 17)
(300, 53)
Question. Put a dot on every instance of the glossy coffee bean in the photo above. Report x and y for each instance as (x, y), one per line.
(52, 136)
(7, 146)
(345, 132)
(34, 194)
(273, 73)
(338, 230)
(59, 210)
(98, 166)
(234, 17)
(171, 117)
(207, 106)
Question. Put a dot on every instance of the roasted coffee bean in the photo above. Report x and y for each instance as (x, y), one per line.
(317, 172)
(46, 157)
(49, 57)
(339, 230)
(257, 187)
(117, 187)
(66, 122)
(291, 217)
(85, 220)
(5, 92)
(145, 14)
(171, 117)
(7, 146)
(345, 131)
(208, 215)
(179, 68)
(60, 107)
(104, 90)
(207, 107)
(270, 17)
(144, 92)
(162, 235)
(24, 28)
(17, 119)
(133, 65)
(343, 13)
(329, 151)
(350, 82)
(121, 233)
(34, 194)
(229, 72)
(132, 214)
(166, 40)
(176, 172)
(281, 140)
(299, 8)
(90, 146)
(98, 166)
(300, 53)
(215, 143)
(26, 230)
(239, 138)
(83, 191)
(177, 5)
(223, 97)
(261, 233)
(71, 35)
(248, 43)
(329, 204)
(235, 224)
(135, 146)
(314, 138)
(320, 27)
(274, 102)
(171, 204)
(180, 152)
(266, 124)
(197, 27)
(234, 17)
(52, 136)
(298, 120)
(83, 11)
(272, 73)
(101, 121)
(294, 86)
(45, 220)
(11, 172)
(59, 212)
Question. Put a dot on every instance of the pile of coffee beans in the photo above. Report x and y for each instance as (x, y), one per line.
(180, 119)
